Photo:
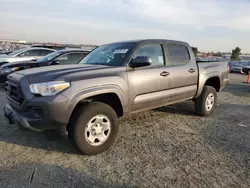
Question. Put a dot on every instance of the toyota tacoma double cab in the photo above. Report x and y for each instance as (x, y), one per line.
(86, 99)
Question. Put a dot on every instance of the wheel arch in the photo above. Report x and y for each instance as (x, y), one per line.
(212, 79)
(111, 95)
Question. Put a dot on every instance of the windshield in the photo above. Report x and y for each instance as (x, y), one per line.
(16, 52)
(109, 54)
(49, 57)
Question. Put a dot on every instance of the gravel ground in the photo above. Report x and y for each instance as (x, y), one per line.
(166, 147)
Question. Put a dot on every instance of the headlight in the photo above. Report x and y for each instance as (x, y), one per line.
(9, 70)
(49, 88)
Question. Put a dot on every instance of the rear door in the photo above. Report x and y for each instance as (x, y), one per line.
(147, 84)
(183, 72)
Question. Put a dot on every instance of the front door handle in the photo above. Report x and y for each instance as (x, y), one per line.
(164, 73)
(191, 70)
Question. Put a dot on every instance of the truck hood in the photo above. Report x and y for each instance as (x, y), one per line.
(72, 72)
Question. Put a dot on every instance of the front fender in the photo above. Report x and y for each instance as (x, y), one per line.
(93, 91)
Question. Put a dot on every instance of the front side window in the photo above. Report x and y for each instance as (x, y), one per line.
(177, 54)
(109, 54)
(153, 51)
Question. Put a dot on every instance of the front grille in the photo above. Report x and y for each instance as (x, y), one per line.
(14, 92)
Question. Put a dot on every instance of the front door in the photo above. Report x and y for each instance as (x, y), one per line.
(147, 84)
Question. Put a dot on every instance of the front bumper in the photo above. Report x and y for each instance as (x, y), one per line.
(16, 118)
(33, 112)
(37, 115)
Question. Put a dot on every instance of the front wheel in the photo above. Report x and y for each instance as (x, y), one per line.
(206, 102)
(94, 128)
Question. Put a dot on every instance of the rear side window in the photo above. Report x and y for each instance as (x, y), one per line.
(177, 54)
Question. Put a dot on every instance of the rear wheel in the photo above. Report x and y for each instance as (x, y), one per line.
(206, 102)
(94, 128)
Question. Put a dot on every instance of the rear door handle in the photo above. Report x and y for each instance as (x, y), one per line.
(191, 70)
(164, 73)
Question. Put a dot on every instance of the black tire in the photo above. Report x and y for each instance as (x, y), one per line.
(200, 102)
(80, 120)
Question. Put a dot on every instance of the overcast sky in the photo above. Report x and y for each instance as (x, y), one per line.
(217, 25)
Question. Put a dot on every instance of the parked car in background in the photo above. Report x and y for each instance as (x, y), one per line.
(114, 80)
(25, 54)
(60, 57)
(238, 66)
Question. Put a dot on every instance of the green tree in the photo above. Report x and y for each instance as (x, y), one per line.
(235, 53)
(195, 51)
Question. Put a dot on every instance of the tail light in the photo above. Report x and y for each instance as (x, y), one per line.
(228, 68)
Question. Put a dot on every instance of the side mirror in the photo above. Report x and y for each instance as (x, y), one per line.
(140, 61)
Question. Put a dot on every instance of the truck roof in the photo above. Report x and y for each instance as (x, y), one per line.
(151, 40)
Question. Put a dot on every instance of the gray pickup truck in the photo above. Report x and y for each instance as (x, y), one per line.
(85, 100)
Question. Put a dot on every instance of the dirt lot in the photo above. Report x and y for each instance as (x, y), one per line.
(167, 147)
